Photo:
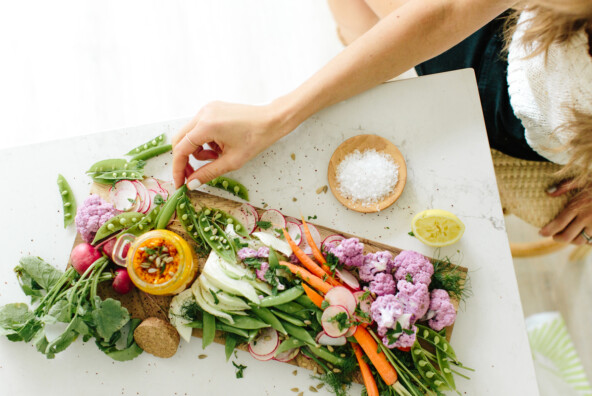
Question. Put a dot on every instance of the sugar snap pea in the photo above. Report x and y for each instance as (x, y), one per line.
(445, 368)
(152, 152)
(230, 185)
(113, 170)
(187, 216)
(108, 165)
(68, 201)
(299, 333)
(117, 223)
(283, 297)
(157, 141)
(289, 343)
(216, 238)
(426, 369)
(209, 329)
(288, 318)
(246, 323)
(230, 345)
(146, 224)
(268, 317)
(198, 324)
(324, 354)
(169, 207)
(306, 302)
(252, 335)
(222, 218)
(294, 309)
(437, 340)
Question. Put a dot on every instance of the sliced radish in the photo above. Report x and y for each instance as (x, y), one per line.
(364, 304)
(329, 322)
(341, 296)
(167, 187)
(331, 241)
(295, 232)
(293, 220)
(152, 194)
(351, 331)
(287, 355)
(151, 184)
(123, 195)
(265, 344)
(144, 196)
(349, 279)
(325, 339)
(276, 219)
(248, 216)
(316, 237)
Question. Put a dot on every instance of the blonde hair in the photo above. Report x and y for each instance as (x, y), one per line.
(556, 22)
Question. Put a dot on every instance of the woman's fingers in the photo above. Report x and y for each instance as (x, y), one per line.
(208, 172)
(189, 144)
(205, 155)
(571, 233)
(562, 188)
(563, 219)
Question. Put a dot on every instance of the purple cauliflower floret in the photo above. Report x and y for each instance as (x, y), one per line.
(382, 284)
(391, 318)
(263, 252)
(350, 252)
(413, 267)
(403, 340)
(246, 252)
(414, 297)
(93, 213)
(375, 263)
(441, 312)
(262, 271)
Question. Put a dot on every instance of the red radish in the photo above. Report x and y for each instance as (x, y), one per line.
(276, 219)
(123, 195)
(333, 319)
(167, 188)
(264, 346)
(287, 355)
(152, 194)
(348, 278)
(122, 283)
(250, 215)
(330, 241)
(144, 196)
(316, 237)
(82, 256)
(351, 331)
(325, 339)
(340, 295)
(364, 305)
(107, 246)
(295, 232)
(121, 248)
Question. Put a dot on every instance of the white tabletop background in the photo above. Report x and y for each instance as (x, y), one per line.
(72, 68)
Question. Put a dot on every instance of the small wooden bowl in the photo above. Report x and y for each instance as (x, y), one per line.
(363, 143)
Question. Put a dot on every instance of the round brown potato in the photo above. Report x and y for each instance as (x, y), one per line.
(157, 337)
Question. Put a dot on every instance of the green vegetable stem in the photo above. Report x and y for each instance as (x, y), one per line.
(68, 201)
(230, 185)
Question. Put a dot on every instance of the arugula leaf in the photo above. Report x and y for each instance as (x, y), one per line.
(264, 225)
(43, 274)
(109, 317)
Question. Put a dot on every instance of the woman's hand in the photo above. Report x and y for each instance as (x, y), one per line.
(574, 219)
(234, 133)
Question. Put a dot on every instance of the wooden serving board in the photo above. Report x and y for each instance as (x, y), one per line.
(142, 305)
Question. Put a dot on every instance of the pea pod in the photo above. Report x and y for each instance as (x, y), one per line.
(230, 185)
(306, 302)
(246, 323)
(268, 317)
(324, 354)
(426, 369)
(230, 345)
(283, 297)
(169, 207)
(68, 201)
(222, 218)
(437, 340)
(288, 318)
(216, 238)
(146, 224)
(157, 141)
(117, 223)
(152, 152)
(209, 329)
(187, 216)
(108, 165)
(294, 309)
(445, 369)
(289, 343)
(299, 333)
(252, 335)
(198, 324)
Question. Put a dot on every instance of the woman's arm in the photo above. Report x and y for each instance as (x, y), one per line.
(413, 33)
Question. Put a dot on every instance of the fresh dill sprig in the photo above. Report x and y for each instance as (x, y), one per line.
(450, 277)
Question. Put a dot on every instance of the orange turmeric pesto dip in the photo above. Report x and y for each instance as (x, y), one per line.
(156, 261)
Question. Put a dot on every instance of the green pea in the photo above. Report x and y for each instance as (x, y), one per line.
(432, 377)
(209, 329)
(115, 224)
(283, 297)
(147, 223)
(299, 333)
(444, 366)
(437, 340)
(230, 185)
(68, 201)
(107, 165)
(157, 141)
(152, 152)
(213, 241)
(288, 318)
(268, 317)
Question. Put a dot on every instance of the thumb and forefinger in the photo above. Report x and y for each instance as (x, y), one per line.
(562, 188)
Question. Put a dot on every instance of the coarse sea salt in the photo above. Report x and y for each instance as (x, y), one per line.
(367, 177)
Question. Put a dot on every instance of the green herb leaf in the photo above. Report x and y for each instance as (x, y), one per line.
(324, 305)
(312, 217)
(44, 275)
(239, 369)
(411, 233)
(409, 278)
(216, 300)
(109, 318)
(264, 225)
(158, 199)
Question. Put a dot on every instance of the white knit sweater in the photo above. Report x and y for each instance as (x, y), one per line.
(543, 94)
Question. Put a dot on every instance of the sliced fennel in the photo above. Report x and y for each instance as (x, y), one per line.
(176, 313)
(236, 302)
(215, 274)
(269, 240)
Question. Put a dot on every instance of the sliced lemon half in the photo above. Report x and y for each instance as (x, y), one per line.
(436, 227)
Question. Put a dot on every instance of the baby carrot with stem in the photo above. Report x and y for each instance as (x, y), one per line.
(308, 262)
(309, 278)
(369, 382)
(313, 295)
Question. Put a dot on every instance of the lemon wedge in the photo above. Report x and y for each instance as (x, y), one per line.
(436, 227)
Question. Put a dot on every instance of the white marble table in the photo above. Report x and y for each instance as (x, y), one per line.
(436, 121)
